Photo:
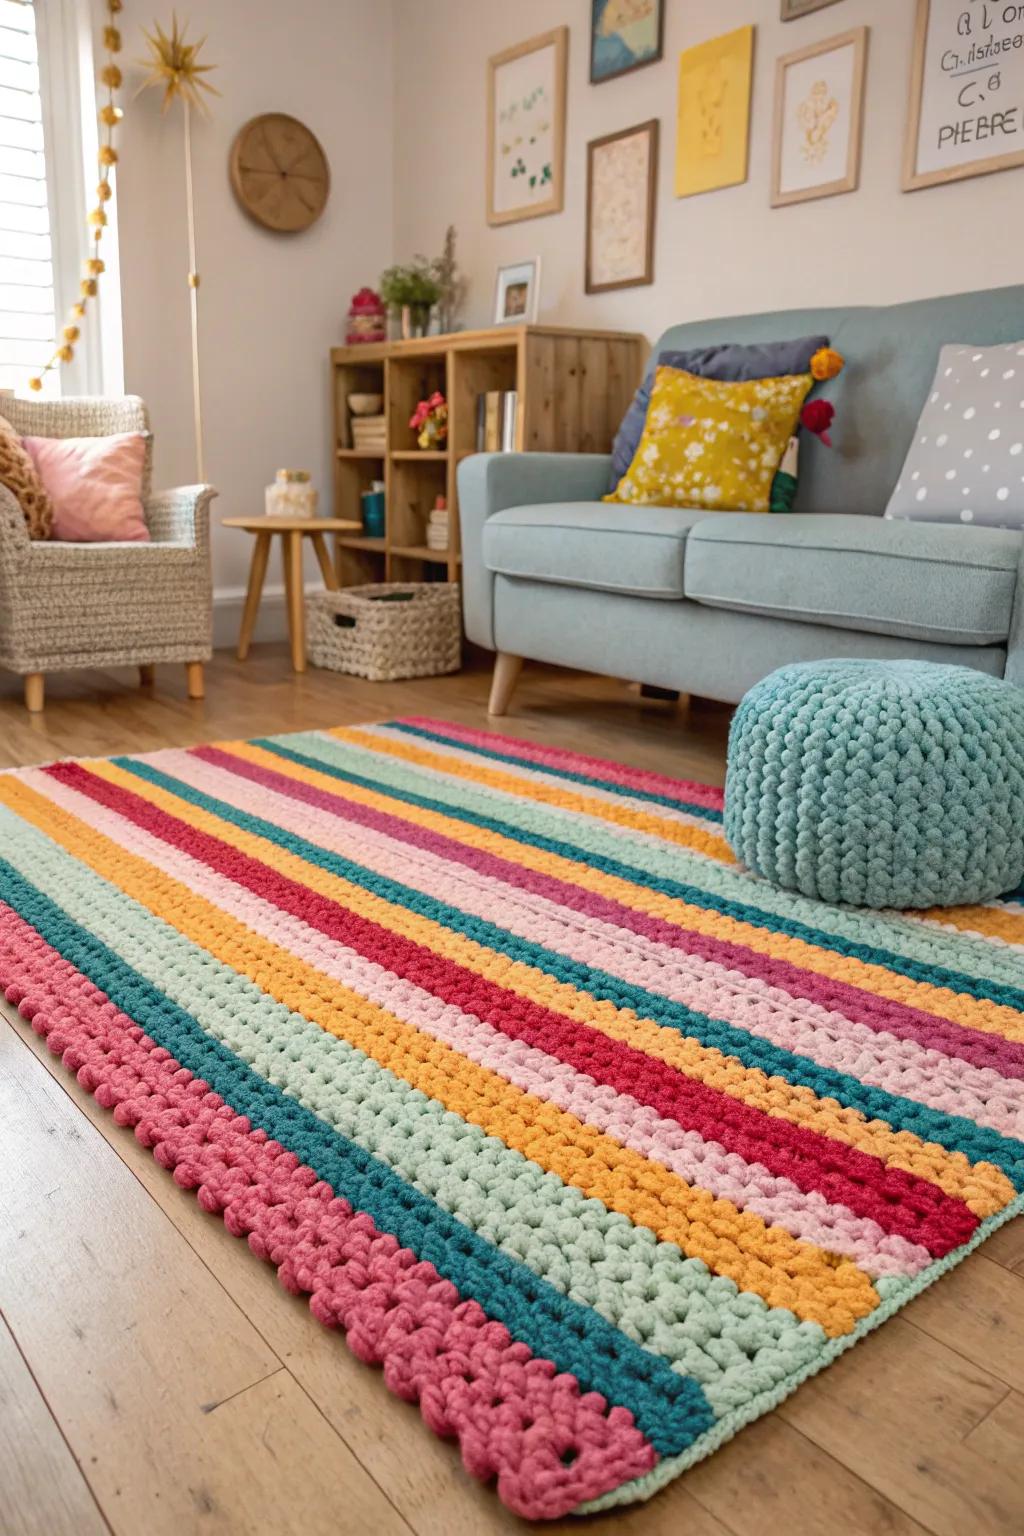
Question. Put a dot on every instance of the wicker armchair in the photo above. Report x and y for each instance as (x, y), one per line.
(65, 605)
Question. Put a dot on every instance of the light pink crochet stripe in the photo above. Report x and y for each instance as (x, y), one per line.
(530, 775)
(471, 1378)
(776, 1200)
(576, 762)
(901, 1067)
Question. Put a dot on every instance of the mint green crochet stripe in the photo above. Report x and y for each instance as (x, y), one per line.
(368, 1104)
(663, 1403)
(953, 1132)
(730, 1424)
(888, 940)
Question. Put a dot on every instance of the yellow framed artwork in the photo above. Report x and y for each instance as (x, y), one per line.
(713, 113)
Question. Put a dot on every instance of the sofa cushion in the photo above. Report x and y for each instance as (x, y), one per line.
(611, 548)
(849, 572)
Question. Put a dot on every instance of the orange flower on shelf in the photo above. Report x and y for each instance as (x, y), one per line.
(430, 421)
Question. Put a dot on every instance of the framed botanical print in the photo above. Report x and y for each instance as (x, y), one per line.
(622, 181)
(526, 129)
(966, 92)
(792, 9)
(624, 35)
(819, 93)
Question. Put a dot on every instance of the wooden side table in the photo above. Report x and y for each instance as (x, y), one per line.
(292, 531)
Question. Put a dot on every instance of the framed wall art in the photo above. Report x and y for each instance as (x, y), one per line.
(819, 94)
(966, 92)
(526, 128)
(792, 10)
(517, 293)
(713, 113)
(622, 181)
(624, 35)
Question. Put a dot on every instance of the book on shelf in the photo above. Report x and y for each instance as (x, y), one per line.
(369, 433)
(497, 412)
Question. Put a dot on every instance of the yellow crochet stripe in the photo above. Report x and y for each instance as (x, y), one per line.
(546, 794)
(784, 1271)
(973, 1013)
(983, 1187)
(990, 921)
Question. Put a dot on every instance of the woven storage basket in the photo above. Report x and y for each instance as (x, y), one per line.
(383, 636)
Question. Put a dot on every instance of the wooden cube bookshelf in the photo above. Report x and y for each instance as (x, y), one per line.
(573, 386)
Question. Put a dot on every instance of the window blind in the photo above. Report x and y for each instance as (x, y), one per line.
(27, 300)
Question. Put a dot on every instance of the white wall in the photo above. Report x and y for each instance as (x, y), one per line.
(726, 252)
(271, 305)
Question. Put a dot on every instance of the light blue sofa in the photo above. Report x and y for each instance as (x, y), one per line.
(708, 603)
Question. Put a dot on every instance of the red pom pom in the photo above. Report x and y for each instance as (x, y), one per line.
(817, 416)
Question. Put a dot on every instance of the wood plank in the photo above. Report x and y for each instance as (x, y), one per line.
(41, 1488)
(567, 388)
(1006, 1246)
(898, 1410)
(593, 394)
(128, 1335)
(771, 1477)
(978, 1308)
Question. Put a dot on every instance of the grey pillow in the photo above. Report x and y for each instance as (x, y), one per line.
(729, 362)
(966, 459)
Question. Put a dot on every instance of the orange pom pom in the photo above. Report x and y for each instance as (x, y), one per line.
(65, 354)
(110, 115)
(111, 76)
(95, 266)
(71, 333)
(107, 155)
(88, 287)
(97, 216)
(103, 192)
(35, 384)
(111, 39)
(827, 364)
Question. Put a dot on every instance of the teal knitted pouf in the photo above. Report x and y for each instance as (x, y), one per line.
(882, 784)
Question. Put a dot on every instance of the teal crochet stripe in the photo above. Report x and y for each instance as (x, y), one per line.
(933, 975)
(705, 812)
(576, 1338)
(955, 1133)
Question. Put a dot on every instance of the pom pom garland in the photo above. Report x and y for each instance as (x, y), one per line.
(816, 417)
(827, 364)
(109, 116)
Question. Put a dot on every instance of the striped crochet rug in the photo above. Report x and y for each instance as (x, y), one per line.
(596, 1144)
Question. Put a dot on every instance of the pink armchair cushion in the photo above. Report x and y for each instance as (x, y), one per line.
(95, 485)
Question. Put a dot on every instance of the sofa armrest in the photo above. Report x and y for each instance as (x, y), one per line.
(490, 482)
(1015, 641)
(181, 516)
(14, 539)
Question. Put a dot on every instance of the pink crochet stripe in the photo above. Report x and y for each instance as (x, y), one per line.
(750, 1186)
(899, 1066)
(471, 1379)
(988, 1053)
(574, 762)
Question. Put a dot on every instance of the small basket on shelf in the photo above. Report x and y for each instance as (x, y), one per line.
(387, 630)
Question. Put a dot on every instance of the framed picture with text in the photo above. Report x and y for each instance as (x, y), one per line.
(966, 92)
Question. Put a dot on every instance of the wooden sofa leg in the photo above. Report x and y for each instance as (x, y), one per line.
(506, 674)
(194, 674)
(147, 674)
(35, 691)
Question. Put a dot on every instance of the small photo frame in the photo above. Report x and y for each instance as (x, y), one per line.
(819, 98)
(622, 180)
(792, 10)
(517, 293)
(624, 37)
(526, 128)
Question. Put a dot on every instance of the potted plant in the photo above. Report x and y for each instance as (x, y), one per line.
(411, 292)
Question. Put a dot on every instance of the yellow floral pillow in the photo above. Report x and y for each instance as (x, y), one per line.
(710, 444)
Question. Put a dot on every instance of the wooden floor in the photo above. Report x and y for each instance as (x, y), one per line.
(156, 1381)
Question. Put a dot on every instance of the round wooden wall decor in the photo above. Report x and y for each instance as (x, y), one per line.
(279, 173)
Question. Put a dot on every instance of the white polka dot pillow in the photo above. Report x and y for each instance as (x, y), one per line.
(966, 461)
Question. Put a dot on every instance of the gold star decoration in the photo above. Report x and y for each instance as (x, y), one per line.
(173, 65)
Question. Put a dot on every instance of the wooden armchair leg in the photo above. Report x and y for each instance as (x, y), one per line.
(147, 674)
(506, 674)
(194, 674)
(35, 691)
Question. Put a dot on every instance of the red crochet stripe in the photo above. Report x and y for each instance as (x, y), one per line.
(899, 1201)
(513, 1416)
